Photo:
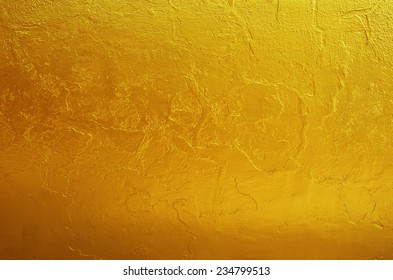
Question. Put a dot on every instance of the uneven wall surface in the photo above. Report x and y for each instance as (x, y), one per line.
(205, 129)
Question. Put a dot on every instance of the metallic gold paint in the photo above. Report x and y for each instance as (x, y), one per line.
(206, 129)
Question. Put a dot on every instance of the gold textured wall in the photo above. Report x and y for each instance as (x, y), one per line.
(204, 129)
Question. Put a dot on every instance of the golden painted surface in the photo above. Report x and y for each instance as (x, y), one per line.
(203, 129)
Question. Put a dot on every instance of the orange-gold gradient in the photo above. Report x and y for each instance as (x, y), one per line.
(205, 129)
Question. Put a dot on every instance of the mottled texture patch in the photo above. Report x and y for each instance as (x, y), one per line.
(206, 129)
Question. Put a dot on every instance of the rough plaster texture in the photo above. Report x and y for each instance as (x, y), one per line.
(203, 129)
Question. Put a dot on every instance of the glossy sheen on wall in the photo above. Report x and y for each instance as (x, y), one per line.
(205, 129)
